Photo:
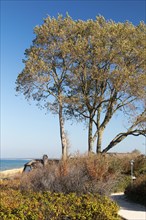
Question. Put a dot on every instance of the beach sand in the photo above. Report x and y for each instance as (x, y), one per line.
(10, 173)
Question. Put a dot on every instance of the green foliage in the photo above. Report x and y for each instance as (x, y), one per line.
(137, 191)
(122, 183)
(55, 206)
(121, 163)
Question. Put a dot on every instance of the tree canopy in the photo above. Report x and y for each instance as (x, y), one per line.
(88, 70)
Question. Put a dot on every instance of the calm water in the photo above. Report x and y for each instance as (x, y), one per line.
(8, 164)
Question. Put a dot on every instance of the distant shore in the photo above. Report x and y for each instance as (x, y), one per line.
(10, 173)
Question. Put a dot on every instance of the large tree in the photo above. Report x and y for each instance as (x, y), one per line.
(107, 77)
(46, 66)
(90, 70)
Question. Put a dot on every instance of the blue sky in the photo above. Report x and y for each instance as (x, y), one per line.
(27, 131)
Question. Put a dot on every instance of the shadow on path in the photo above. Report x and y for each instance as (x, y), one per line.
(128, 209)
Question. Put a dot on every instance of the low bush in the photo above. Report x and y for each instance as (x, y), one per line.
(94, 174)
(140, 165)
(7, 184)
(101, 174)
(16, 205)
(137, 191)
(123, 162)
(122, 183)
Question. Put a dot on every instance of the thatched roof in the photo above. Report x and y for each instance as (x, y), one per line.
(39, 163)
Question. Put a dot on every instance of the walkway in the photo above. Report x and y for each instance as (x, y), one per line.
(129, 210)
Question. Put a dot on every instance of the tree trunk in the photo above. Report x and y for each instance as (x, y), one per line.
(99, 131)
(62, 133)
(99, 141)
(90, 138)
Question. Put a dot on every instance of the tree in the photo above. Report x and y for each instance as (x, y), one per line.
(108, 76)
(46, 66)
(90, 70)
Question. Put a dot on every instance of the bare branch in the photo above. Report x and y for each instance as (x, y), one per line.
(120, 137)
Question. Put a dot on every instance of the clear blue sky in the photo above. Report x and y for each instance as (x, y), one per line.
(27, 131)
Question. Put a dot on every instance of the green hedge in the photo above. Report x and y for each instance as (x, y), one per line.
(55, 206)
(122, 183)
(137, 191)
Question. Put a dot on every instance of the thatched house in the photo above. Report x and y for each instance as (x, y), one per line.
(39, 163)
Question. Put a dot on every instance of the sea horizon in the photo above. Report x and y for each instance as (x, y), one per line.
(12, 163)
(15, 163)
(16, 158)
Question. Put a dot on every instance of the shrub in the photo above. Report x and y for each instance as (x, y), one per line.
(137, 191)
(7, 184)
(122, 163)
(122, 183)
(140, 165)
(16, 205)
(101, 174)
(94, 174)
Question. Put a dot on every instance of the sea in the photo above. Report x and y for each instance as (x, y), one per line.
(8, 164)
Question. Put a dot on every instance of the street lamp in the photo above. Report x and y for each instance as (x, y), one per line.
(132, 173)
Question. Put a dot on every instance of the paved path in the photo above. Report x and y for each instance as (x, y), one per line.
(129, 210)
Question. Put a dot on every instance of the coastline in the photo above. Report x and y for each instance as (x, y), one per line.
(12, 163)
(10, 173)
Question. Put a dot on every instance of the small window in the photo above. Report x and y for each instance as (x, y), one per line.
(27, 169)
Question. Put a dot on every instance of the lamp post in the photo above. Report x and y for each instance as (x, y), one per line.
(132, 173)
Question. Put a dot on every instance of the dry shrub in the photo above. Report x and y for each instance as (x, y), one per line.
(140, 165)
(14, 183)
(81, 174)
(39, 179)
(122, 162)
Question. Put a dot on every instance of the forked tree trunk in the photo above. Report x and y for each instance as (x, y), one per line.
(90, 138)
(62, 133)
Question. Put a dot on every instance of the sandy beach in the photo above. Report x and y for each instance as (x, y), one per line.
(10, 173)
